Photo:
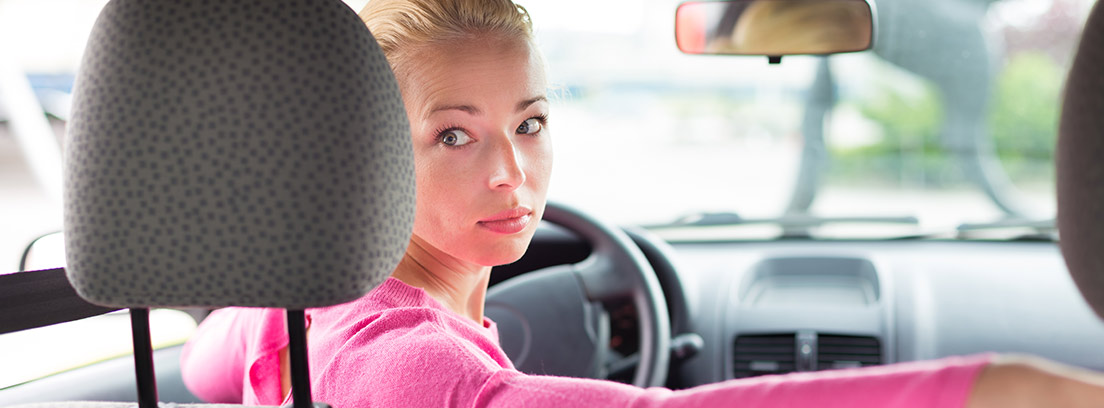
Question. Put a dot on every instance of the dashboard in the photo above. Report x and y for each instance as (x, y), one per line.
(770, 307)
(917, 300)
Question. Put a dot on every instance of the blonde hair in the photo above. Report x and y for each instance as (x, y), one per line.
(402, 26)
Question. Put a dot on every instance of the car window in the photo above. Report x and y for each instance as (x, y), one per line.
(31, 354)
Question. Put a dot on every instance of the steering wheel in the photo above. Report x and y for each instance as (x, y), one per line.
(551, 321)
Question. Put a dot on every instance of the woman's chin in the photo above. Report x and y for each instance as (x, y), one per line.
(502, 253)
(499, 259)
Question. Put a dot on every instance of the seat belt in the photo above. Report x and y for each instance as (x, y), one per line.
(41, 298)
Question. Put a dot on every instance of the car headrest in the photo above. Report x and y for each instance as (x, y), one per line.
(1080, 165)
(246, 153)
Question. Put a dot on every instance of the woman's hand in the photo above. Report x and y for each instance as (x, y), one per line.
(1023, 381)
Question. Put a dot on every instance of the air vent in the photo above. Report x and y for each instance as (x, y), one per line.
(764, 354)
(835, 351)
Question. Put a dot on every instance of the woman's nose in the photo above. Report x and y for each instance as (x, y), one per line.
(508, 173)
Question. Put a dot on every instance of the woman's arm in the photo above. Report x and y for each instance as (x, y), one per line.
(1022, 381)
(939, 383)
(213, 361)
(1005, 382)
(413, 363)
(419, 366)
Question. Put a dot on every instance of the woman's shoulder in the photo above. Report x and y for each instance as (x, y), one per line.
(395, 307)
(391, 294)
(398, 327)
(396, 316)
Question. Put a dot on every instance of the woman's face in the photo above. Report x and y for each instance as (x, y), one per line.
(482, 150)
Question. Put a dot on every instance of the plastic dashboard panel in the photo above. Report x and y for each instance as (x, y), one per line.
(922, 299)
(810, 295)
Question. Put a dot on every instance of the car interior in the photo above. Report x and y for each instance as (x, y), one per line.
(153, 232)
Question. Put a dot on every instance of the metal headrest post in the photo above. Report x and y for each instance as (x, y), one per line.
(297, 351)
(144, 375)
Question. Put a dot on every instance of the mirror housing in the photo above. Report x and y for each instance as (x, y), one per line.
(774, 28)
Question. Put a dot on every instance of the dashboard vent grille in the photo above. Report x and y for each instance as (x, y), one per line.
(834, 351)
(763, 354)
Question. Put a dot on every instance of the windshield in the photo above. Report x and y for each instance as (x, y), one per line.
(949, 120)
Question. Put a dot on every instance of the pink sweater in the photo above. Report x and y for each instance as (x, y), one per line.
(398, 347)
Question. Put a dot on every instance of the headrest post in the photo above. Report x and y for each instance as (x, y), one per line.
(143, 358)
(297, 353)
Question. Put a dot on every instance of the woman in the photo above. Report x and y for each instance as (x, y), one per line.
(474, 89)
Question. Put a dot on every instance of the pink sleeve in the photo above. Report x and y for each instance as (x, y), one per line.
(938, 383)
(424, 368)
(213, 360)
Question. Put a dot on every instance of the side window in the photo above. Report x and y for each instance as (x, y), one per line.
(45, 252)
(36, 353)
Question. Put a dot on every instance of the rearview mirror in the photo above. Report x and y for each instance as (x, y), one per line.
(774, 27)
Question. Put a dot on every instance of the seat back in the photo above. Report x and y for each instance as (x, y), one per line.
(1080, 165)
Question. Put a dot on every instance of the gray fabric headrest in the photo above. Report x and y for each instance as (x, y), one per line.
(1080, 160)
(250, 153)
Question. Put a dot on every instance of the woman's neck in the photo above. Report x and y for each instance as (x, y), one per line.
(458, 285)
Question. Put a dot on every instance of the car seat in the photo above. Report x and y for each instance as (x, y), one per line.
(1080, 165)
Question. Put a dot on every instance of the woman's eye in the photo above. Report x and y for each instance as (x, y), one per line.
(529, 126)
(455, 137)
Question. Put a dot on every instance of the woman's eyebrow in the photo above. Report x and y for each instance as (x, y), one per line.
(525, 104)
(471, 110)
(474, 111)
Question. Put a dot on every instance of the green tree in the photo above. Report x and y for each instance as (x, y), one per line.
(1023, 117)
(909, 151)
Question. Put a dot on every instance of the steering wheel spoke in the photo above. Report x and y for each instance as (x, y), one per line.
(603, 279)
(619, 367)
(547, 326)
(552, 321)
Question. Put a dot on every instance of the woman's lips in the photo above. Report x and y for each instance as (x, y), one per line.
(511, 221)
